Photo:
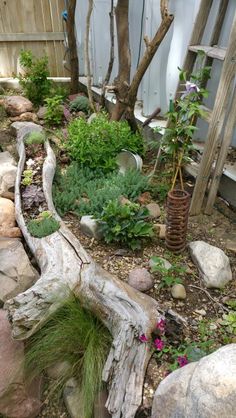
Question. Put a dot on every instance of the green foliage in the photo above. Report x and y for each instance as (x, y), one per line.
(43, 226)
(27, 177)
(97, 144)
(34, 81)
(59, 90)
(125, 224)
(35, 137)
(54, 112)
(80, 103)
(87, 191)
(73, 335)
(229, 322)
(169, 276)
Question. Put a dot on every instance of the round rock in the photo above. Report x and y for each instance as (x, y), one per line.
(154, 210)
(140, 279)
(178, 291)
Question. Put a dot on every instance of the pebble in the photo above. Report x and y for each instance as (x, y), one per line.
(178, 291)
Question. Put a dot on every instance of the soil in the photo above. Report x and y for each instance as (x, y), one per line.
(201, 304)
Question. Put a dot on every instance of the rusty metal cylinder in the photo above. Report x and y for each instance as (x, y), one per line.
(178, 202)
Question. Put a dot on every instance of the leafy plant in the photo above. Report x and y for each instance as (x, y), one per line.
(97, 144)
(80, 103)
(169, 276)
(125, 224)
(43, 226)
(35, 137)
(73, 335)
(229, 321)
(27, 177)
(87, 191)
(34, 80)
(54, 112)
(32, 196)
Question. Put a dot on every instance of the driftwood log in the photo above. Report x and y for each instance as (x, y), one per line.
(66, 267)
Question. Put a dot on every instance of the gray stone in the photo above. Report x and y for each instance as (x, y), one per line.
(91, 227)
(58, 370)
(167, 265)
(7, 172)
(154, 210)
(92, 117)
(16, 272)
(140, 279)
(72, 399)
(16, 399)
(204, 389)
(178, 291)
(24, 127)
(212, 263)
(15, 105)
(42, 112)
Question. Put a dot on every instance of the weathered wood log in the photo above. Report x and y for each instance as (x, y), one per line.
(66, 267)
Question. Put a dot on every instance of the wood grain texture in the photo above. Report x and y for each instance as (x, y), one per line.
(66, 267)
(217, 120)
(35, 25)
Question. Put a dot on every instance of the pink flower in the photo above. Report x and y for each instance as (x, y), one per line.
(159, 344)
(161, 325)
(182, 360)
(143, 338)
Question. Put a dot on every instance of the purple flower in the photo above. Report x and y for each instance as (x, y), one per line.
(159, 344)
(143, 338)
(161, 325)
(182, 360)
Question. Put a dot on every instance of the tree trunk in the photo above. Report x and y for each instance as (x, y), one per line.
(66, 267)
(111, 60)
(86, 55)
(74, 62)
(126, 94)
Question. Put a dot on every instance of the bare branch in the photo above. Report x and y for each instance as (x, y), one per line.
(111, 61)
(86, 53)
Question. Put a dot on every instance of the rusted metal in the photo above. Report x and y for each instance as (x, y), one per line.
(178, 202)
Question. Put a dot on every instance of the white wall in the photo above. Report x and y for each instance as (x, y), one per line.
(161, 78)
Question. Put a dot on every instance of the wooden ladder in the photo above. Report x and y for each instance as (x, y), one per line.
(218, 114)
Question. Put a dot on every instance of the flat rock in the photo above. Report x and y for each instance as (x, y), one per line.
(90, 227)
(15, 105)
(26, 127)
(7, 213)
(154, 210)
(16, 399)
(25, 117)
(140, 279)
(167, 265)
(178, 291)
(212, 263)
(16, 272)
(7, 172)
(204, 389)
(14, 232)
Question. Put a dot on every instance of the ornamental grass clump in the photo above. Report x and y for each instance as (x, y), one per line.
(35, 137)
(95, 145)
(72, 335)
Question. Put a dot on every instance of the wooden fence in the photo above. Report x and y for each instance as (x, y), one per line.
(35, 25)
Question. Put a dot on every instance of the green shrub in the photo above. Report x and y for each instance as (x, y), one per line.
(54, 112)
(80, 103)
(87, 191)
(75, 336)
(43, 226)
(34, 81)
(35, 137)
(125, 224)
(97, 144)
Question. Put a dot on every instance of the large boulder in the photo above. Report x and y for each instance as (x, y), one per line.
(212, 263)
(204, 389)
(7, 172)
(7, 213)
(16, 399)
(16, 272)
(15, 105)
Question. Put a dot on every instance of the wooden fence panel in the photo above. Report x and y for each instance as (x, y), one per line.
(35, 25)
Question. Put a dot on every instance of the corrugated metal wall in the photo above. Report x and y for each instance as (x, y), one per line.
(161, 78)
